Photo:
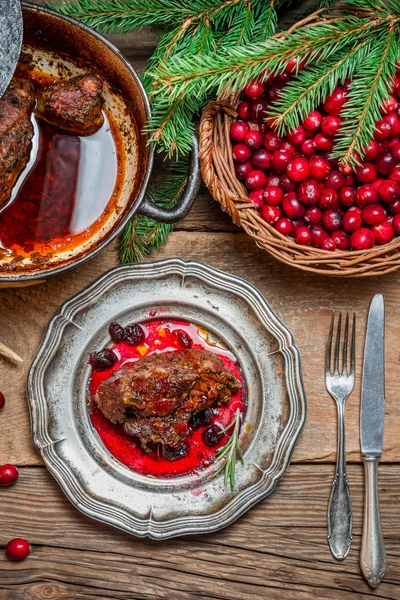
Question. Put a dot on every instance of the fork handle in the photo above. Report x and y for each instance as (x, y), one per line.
(339, 508)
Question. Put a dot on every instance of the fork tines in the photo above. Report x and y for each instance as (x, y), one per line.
(344, 342)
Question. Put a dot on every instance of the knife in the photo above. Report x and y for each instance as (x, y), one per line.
(372, 418)
(11, 29)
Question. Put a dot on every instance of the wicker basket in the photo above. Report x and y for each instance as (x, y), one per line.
(218, 173)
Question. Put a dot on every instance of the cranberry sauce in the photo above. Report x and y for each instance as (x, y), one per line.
(161, 336)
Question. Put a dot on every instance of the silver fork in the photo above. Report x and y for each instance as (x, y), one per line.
(340, 384)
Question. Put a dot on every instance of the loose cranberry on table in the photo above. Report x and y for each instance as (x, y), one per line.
(270, 214)
(18, 549)
(2, 400)
(8, 475)
(298, 169)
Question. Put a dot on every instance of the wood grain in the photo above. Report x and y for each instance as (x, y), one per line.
(277, 551)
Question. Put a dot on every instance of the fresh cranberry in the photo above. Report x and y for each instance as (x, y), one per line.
(394, 208)
(212, 436)
(313, 215)
(117, 332)
(389, 190)
(394, 123)
(175, 452)
(371, 150)
(385, 163)
(243, 110)
(298, 169)
(272, 141)
(272, 90)
(273, 195)
(294, 65)
(347, 196)
(241, 153)
(319, 167)
(182, 338)
(335, 180)
(395, 174)
(389, 105)
(287, 184)
(376, 184)
(2, 400)
(366, 194)
(345, 169)
(329, 199)
(373, 214)
(323, 143)
(308, 147)
(288, 147)
(332, 219)
(243, 169)
(18, 548)
(257, 196)
(393, 141)
(261, 159)
(253, 139)
(256, 180)
(342, 239)
(309, 192)
(8, 474)
(284, 226)
(349, 180)
(351, 221)
(238, 131)
(273, 180)
(396, 223)
(280, 160)
(313, 121)
(270, 214)
(330, 125)
(362, 239)
(383, 232)
(366, 173)
(334, 102)
(292, 207)
(255, 89)
(355, 209)
(389, 219)
(102, 360)
(383, 130)
(319, 234)
(329, 244)
(202, 419)
(258, 109)
(395, 150)
(303, 236)
(297, 136)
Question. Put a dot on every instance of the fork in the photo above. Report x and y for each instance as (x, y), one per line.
(340, 384)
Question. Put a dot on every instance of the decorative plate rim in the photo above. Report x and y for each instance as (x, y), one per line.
(116, 516)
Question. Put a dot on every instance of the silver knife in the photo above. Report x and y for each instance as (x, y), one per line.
(11, 30)
(372, 418)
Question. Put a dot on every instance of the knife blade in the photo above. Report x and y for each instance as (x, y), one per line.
(372, 418)
(11, 29)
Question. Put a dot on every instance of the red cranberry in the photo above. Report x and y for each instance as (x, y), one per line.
(255, 89)
(2, 400)
(287, 184)
(319, 234)
(18, 548)
(319, 167)
(253, 139)
(294, 65)
(238, 131)
(335, 180)
(298, 169)
(8, 474)
(383, 130)
(256, 180)
(241, 153)
(321, 142)
(182, 338)
(303, 236)
(313, 121)
(212, 436)
(292, 206)
(389, 105)
(330, 125)
(297, 136)
(351, 221)
(395, 150)
(273, 180)
(313, 215)
(175, 452)
(273, 195)
(272, 141)
(371, 150)
(273, 90)
(329, 199)
(309, 192)
(243, 110)
(349, 180)
(258, 109)
(257, 196)
(385, 163)
(395, 174)
(345, 169)
(394, 208)
(117, 332)
(332, 219)
(366, 194)
(393, 141)
(261, 159)
(280, 160)
(389, 190)
(296, 223)
(342, 240)
(383, 232)
(270, 214)
(335, 101)
(376, 184)
(362, 239)
(373, 214)
(329, 244)
(356, 209)
(308, 147)
(284, 226)
(347, 196)
(243, 169)
(394, 123)
(366, 173)
(288, 147)
(396, 223)
(102, 360)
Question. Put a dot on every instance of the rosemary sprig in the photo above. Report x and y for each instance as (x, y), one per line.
(231, 452)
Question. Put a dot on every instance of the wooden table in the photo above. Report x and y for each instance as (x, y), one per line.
(278, 550)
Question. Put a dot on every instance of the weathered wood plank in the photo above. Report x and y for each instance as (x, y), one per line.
(277, 551)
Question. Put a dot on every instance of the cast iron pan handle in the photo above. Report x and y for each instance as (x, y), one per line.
(185, 203)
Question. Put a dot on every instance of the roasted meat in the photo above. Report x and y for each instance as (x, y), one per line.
(156, 396)
(73, 106)
(16, 132)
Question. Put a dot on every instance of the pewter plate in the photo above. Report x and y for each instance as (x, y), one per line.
(97, 483)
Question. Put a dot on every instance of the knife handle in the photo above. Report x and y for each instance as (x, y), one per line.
(373, 554)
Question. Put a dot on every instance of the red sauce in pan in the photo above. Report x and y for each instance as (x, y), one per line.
(159, 338)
